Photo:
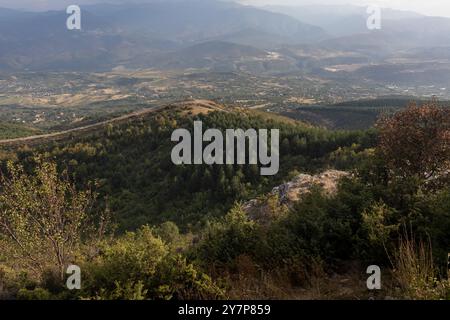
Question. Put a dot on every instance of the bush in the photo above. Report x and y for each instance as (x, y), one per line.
(139, 265)
(35, 294)
(43, 218)
(225, 240)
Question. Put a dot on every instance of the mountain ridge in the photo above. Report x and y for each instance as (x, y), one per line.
(112, 34)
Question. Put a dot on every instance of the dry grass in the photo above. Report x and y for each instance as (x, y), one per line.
(415, 271)
(293, 282)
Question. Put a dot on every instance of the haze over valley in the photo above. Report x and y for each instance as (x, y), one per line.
(278, 58)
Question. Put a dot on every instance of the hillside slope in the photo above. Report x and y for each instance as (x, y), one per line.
(40, 139)
(131, 161)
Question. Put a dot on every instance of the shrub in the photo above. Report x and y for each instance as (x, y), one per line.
(225, 240)
(139, 265)
(43, 219)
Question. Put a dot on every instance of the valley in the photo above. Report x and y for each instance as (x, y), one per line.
(270, 58)
(54, 102)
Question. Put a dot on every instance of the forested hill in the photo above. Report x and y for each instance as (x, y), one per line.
(131, 162)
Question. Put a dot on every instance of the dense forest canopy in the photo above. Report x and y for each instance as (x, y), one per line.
(132, 166)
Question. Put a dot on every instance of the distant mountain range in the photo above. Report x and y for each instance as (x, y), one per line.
(123, 34)
(339, 20)
(179, 34)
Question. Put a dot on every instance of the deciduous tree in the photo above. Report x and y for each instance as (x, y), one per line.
(416, 142)
(43, 218)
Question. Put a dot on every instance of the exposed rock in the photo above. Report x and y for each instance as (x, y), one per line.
(292, 191)
(265, 210)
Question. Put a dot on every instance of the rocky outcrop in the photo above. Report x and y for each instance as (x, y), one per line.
(292, 191)
(287, 194)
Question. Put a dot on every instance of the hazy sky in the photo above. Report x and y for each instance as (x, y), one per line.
(430, 7)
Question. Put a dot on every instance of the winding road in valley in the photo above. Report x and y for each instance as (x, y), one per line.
(32, 140)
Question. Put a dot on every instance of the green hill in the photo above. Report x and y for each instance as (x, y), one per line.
(131, 162)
